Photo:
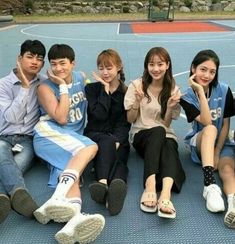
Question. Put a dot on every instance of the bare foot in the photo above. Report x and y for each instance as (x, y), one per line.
(150, 186)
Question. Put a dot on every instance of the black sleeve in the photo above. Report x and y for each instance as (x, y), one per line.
(190, 110)
(229, 109)
(99, 101)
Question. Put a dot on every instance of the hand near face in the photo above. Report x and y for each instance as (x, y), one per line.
(174, 100)
(139, 94)
(24, 81)
(98, 78)
(194, 85)
(56, 79)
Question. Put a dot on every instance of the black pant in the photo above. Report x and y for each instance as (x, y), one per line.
(110, 163)
(160, 156)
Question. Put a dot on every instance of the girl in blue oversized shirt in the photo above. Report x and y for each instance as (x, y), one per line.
(208, 105)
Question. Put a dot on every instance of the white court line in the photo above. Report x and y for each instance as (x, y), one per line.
(8, 27)
(118, 29)
(181, 73)
(228, 34)
(95, 39)
(30, 27)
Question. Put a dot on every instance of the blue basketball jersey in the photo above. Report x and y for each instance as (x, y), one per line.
(216, 103)
(78, 103)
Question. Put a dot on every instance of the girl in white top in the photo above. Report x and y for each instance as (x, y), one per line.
(151, 103)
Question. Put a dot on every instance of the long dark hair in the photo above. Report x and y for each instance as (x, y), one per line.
(111, 57)
(204, 56)
(168, 80)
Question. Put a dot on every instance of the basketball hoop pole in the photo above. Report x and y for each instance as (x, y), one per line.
(161, 15)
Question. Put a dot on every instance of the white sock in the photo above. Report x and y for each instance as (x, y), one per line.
(67, 179)
(77, 201)
(230, 201)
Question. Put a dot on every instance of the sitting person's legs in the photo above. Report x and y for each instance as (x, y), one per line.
(12, 164)
(149, 148)
(65, 203)
(226, 169)
(103, 165)
(80, 224)
(170, 177)
(205, 147)
(111, 173)
(67, 162)
(5, 204)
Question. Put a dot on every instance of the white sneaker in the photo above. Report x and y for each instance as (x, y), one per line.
(59, 210)
(229, 218)
(40, 214)
(82, 228)
(213, 197)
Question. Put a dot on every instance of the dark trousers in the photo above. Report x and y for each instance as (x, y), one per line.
(110, 163)
(160, 156)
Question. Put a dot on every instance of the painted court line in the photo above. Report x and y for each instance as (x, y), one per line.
(179, 38)
(8, 27)
(223, 38)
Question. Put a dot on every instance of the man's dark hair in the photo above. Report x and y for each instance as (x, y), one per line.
(33, 46)
(58, 51)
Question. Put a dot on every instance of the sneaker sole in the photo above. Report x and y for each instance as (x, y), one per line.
(229, 220)
(59, 214)
(85, 232)
(40, 217)
(214, 210)
(23, 203)
(5, 207)
(116, 196)
(98, 192)
(64, 238)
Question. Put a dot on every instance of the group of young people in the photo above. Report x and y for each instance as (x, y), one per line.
(69, 122)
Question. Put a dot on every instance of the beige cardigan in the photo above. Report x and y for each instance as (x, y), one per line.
(149, 113)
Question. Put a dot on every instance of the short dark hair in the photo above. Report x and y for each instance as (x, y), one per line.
(33, 46)
(58, 51)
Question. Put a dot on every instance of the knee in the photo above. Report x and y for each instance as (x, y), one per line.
(226, 171)
(94, 148)
(209, 131)
(107, 142)
(172, 144)
(158, 132)
(5, 149)
(4, 145)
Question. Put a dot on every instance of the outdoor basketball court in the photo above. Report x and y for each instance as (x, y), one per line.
(182, 39)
